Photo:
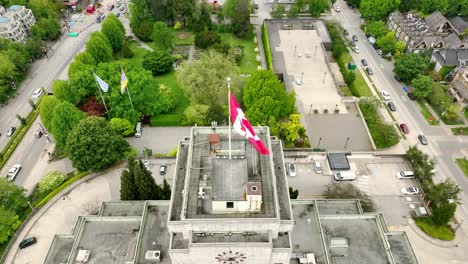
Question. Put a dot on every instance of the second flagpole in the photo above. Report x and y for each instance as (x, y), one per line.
(228, 79)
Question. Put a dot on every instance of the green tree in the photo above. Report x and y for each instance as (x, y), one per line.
(51, 181)
(65, 117)
(439, 97)
(317, 7)
(293, 193)
(9, 222)
(197, 114)
(163, 36)
(46, 29)
(113, 32)
(21, 119)
(378, 9)
(422, 86)
(349, 191)
(81, 80)
(128, 189)
(278, 11)
(452, 112)
(12, 196)
(144, 30)
(183, 10)
(443, 213)
(93, 145)
(166, 191)
(85, 58)
(377, 28)
(200, 19)
(240, 19)
(8, 71)
(147, 188)
(122, 126)
(444, 192)
(387, 43)
(205, 81)
(265, 97)
(98, 46)
(457, 8)
(62, 91)
(293, 130)
(207, 39)
(158, 62)
(429, 6)
(410, 65)
(46, 110)
(399, 49)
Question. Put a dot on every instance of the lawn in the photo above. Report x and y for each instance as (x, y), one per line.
(345, 90)
(184, 38)
(359, 86)
(460, 131)
(248, 63)
(175, 117)
(427, 114)
(463, 164)
(446, 121)
(384, 135)
(428, 226)
(465, 113)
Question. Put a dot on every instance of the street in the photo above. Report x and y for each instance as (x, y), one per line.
(443, 146)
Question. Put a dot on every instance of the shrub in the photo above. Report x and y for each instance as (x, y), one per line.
(122, 126)
(266, 47)
(144, 30)
(158, 62)
(349, 191)
(429, 227)
(51, 181)
(207, 39)
(349, 77)
(443, 213)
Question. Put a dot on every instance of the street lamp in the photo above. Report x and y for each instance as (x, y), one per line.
(315, 52)
(294, 51)
(318, 145)
(310, 109)
(325, 76)
(302, 76)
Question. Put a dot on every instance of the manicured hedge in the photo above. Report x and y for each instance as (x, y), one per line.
(61, 187)
(384, 135)
(266, 47)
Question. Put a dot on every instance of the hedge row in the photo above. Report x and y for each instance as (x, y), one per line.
(18, 136)
(266, 47)
(60, 188)
(384, 135)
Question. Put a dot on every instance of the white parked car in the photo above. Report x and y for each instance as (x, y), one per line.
(337, 9)
(146, 164)
(356, 49)
(410, 191)
(318, 167)
(37, 93)
(292, 169)
(385, 95)
(11, 175)
(405, 175)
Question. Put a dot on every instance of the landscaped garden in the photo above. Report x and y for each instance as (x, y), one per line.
(463, 164)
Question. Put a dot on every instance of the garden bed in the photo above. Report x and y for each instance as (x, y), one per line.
(427, 225)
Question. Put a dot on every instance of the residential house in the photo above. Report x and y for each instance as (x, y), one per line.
(458, 88)
(459, 24)
(15, 22)
(449, 57)
(432, 32)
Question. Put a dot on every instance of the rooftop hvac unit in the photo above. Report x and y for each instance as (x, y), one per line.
(154, 255)
(83, 256)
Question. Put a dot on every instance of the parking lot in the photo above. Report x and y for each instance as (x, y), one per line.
(376, 176)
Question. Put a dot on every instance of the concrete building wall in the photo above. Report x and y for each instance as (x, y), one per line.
(251, 253)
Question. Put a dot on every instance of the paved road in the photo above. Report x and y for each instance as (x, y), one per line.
(443, 147)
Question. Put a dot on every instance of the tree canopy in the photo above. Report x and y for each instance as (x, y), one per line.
(46, 110)
(158, 62)
(422, 86)
(93, 145)
(378, 9)
(377, 28)
(410, 65)
(99, 48)
(240, 17)
(265, 97)
(114, 31)
(348, 191)
(162, 36)
(387, 43)
(65, 117)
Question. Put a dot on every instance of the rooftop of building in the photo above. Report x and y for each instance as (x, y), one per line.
(15, 7)
(4, 19)
(120, 238)
(207, 173)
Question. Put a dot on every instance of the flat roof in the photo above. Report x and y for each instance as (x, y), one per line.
(229, 179)
(234, 237)
(338, 161)
(122, 208)
(208, 168)
(4, 19)
(60, 249)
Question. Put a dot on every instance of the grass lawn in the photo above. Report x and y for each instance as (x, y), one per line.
(447, 122)
(463, 164)
(430, 228)
(359, 86)
(384, 135)
(460, 131)
(427, 114)
(465, 113)
(184, 38)
(248, 63)
(175, 117)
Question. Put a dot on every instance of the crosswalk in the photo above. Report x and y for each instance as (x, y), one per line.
(362, 182)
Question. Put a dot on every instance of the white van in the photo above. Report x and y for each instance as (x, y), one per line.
(405, 175)
(345, 176)
(138, 130)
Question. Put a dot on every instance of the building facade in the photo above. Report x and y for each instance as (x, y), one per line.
(16, 22)
(458, 88)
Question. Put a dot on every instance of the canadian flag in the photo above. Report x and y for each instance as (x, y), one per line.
(243, 127)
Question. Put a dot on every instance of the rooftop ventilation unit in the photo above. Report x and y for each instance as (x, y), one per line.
(154, 255)
(83, 256)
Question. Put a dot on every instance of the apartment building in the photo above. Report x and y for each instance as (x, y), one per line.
(15, 22)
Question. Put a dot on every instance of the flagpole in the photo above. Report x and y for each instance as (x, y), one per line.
(128, 92)
(99, 89)
(229, 117)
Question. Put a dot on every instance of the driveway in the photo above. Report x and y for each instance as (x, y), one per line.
(159, 139)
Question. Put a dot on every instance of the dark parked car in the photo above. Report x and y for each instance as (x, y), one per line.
(411, 96)
(369, 71)
(404, 128)
(367, 35)
(397, 78)
(111, 7)
(364, 62)
(10, 131)
(423, 139)
(346, 32)
(355, 38)
(391, 106)
(27, 242)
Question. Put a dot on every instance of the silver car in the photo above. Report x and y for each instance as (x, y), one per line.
(292, 169)
(318, 167)
(13, 172)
